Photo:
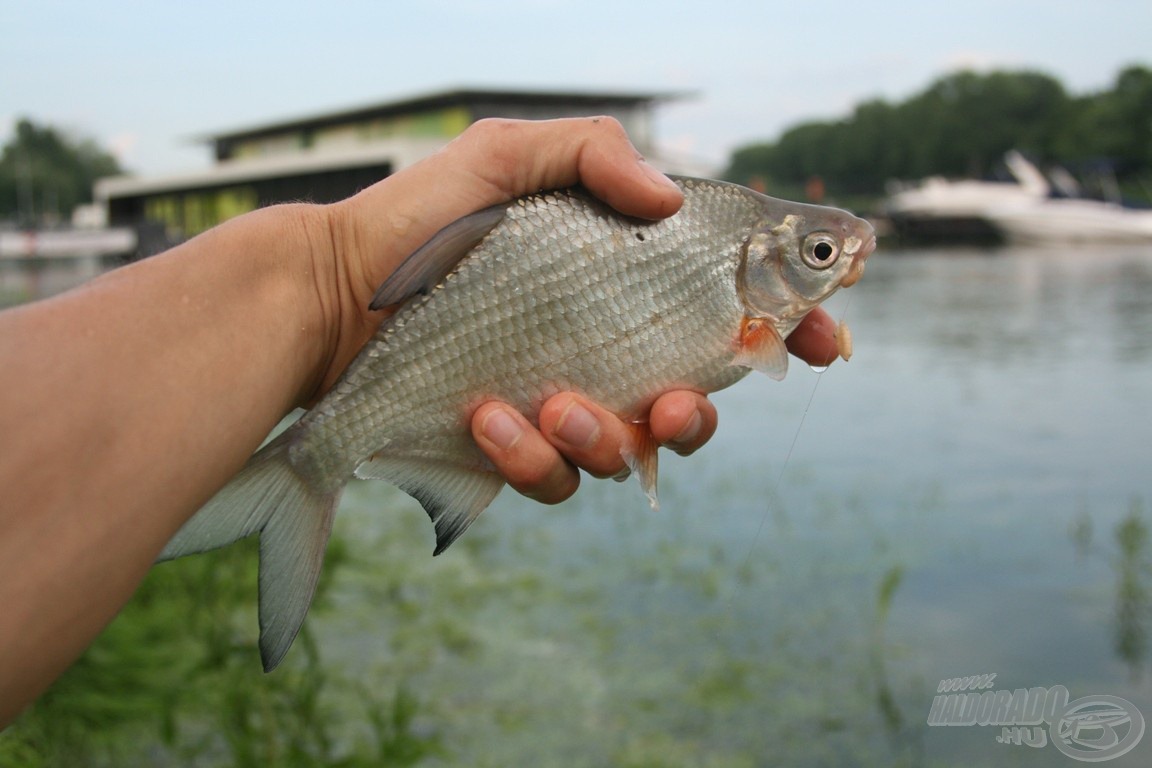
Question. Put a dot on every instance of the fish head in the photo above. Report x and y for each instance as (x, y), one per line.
(800, 255)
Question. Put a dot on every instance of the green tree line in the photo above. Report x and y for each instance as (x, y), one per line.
(960, 126)
(45, 173)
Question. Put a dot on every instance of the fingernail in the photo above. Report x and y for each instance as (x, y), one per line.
(577, 427)
(502, 429)
(687, 436)
(657, 176)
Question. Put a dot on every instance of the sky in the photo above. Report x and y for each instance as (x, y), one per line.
(145, 79)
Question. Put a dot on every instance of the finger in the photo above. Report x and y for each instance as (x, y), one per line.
(492, 162)
(683, 421)
(587, 435)
(528, 462)
(613, 170)
(522, 157)
(814, 340)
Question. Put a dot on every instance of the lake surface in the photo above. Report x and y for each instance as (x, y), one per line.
(968, 496)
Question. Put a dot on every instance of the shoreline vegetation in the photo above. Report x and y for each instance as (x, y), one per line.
(961, 126)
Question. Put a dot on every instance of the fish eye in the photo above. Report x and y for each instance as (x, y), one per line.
(820, 251)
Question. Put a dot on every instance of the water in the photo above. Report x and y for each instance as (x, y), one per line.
(25, 279)
(970, 495)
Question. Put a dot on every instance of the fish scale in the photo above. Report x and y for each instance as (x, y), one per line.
(553, 292)
(562, 326)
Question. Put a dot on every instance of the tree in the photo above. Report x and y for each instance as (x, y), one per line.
(45, 173)
(961, 125)
(972, 120)
(1115, 124)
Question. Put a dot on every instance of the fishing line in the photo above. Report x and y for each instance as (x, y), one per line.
(791, 448)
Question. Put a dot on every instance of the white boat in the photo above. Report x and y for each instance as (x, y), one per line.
(1072, 220)
(1028, 209)
(943, 208)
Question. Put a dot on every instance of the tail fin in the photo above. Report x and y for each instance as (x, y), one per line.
(294, 522)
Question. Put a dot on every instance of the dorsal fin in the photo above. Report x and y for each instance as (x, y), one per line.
(430, 263)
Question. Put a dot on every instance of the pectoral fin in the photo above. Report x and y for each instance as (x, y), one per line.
(641, 458)
(761, 348)
(431, 263)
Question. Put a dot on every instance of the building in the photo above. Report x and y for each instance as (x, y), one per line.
(328, 157)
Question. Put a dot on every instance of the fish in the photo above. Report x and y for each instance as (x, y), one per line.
(547, 293)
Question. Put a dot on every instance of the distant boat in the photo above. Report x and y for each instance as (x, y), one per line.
(1027, 209)
(939, 208)
(1065, 215)
(1073, 220)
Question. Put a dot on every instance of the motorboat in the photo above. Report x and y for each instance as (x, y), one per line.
(940, 208)
(1073, 220)
(1032, 208)
(1066, 215)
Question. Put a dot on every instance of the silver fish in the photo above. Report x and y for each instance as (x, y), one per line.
(549, 293)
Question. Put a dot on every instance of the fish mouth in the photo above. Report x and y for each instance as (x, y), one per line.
(857, 269)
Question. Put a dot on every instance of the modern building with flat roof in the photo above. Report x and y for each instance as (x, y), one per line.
(327, 157)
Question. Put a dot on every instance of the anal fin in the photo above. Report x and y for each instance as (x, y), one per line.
(453, 496)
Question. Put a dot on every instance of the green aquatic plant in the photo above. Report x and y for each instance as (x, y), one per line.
(1133, 613)
(175, 680)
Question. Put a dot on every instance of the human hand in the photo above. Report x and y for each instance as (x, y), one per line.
(574, 432)
(490, 163)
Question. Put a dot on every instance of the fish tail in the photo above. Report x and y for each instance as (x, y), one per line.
(294, 520)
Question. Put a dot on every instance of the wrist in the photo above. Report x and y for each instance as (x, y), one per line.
(312, 281)
(279, 272)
